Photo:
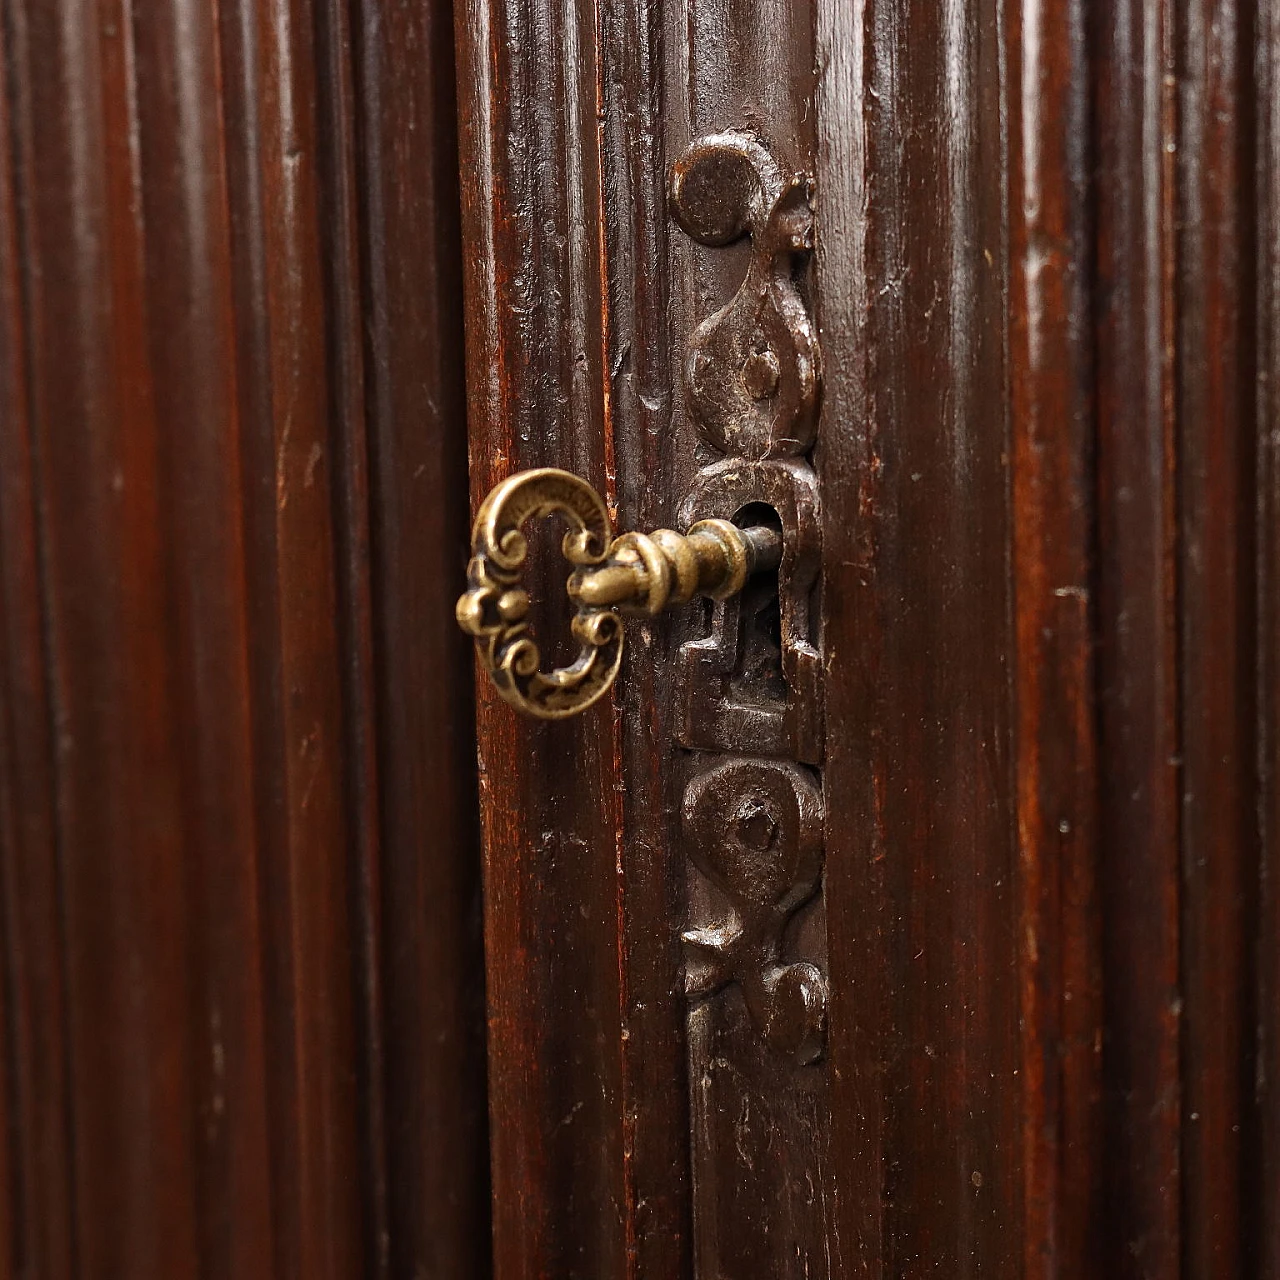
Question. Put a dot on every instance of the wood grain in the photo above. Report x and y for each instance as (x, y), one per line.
(1262, 1134)
(38, 1189)
(573, 308)
(1219, 842)
(241, 970)
(917, 598)
(207, 605)
(1052, 407)
(138, 775)
(644, 388)
(539, 363)
(424, 891)
(1138, 696)
(1026, 447)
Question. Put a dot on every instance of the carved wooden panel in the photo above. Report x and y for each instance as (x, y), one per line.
(755, 951)
(750, 691)
(753, 831)
(1037, 592)
(916, 914)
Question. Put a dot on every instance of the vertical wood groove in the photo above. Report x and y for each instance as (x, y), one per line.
(430, 965)
(190, 532)
(1135, 137)
(241, 976)
(1052, 406)
(348, 435)
(41, 1208)
(1215, 423)
(1262, 1243)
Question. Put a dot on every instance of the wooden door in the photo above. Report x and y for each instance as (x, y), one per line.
(1043, 283)
(987, 775)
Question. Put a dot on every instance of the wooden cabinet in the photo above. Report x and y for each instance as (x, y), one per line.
(318, 960)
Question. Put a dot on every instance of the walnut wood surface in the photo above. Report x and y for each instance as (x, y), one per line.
(1137, 658)
(240, 957)
(1045, 282)
(1216, 361)
(242, 992)
(1262, 1117)
(922, 883)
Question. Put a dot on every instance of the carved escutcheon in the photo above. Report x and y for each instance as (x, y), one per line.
(495, 608)
(752, 371)
(754, 830)
(710, 714)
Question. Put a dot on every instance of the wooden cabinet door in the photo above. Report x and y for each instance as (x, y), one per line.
(1031, 863)
(241, 1009)
(913, 912)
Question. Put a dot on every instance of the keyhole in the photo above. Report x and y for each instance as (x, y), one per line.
(757, 675)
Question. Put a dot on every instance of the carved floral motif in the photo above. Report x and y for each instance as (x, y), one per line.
(753, 368)
(752, 825)
(754, 829)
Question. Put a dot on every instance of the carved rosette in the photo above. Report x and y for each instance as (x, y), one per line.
(754, 829)
(750, 689)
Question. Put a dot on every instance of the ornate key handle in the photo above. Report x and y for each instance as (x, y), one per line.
(635, 573)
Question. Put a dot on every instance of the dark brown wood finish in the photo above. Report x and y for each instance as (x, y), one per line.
(574, 347)
(425, 871)
(1138, 697)
(550, 792)
(1262, 1143)
(129, 754)
(922, 874)
(38, 1157)
(1036, 235)
(1051, 403)
(1215, 436)
(242, 985)
(760, 1123)
(241, 965)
